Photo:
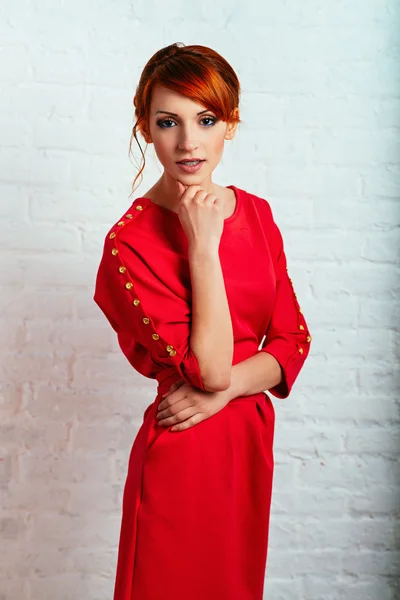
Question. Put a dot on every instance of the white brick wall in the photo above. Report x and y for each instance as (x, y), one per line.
(320, 140)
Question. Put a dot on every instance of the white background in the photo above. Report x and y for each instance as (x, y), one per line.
(320, 140)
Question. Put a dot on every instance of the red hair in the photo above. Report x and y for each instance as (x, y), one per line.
(195, 71)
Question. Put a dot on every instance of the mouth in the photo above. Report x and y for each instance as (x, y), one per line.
(190, 163)
(190, 166)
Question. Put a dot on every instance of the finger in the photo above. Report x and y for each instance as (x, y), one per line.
(173, 396)
(181, 188)
(171, 389)
(211, 199)
(167, 410)
(164, 403)
(177, 384)
(167, 419)
(194, 420)
(165, 413)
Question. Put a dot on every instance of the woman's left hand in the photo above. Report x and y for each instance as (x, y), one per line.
(185, 406)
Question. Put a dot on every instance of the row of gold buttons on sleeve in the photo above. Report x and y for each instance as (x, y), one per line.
(129, 285)
(308, 338)
(301, 326)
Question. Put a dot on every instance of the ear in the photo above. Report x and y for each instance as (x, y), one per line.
(146, 135)
(231, 127)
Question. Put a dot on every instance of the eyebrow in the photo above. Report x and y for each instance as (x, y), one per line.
(175, 115)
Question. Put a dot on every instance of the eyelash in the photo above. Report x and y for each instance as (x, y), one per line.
(213, 119)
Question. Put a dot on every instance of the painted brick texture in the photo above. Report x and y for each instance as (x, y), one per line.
(320, 140)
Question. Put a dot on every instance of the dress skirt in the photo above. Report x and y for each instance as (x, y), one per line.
(196, 506)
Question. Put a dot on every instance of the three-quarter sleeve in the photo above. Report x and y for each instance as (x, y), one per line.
(287, 337)
(139, 290)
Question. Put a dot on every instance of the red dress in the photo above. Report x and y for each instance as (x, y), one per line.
(196, 502)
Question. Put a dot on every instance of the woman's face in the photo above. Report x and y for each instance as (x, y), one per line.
(179, 132)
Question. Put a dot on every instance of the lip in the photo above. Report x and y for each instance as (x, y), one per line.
(192, 169)
(189, 159)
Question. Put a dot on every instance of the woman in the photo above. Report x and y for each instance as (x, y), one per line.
(193, 276)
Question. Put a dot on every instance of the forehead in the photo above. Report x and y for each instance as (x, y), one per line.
(165, 99)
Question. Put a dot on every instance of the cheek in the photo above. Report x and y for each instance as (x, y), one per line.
(218, 145)
(162, 146)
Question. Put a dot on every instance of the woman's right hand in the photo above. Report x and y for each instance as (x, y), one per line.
(201, 216)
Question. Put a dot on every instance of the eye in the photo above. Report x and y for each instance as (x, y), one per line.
(212, 119)
(163, 123)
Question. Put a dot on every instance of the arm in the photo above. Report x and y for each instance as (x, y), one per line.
(211, 336)
(287, 338)
(255, 374)
(142, 288)
(277, 364)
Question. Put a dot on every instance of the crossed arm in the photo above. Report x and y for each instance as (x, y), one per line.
(149, 308)
(255, 374)
(287, 343)
(213, 345)
(211, 335)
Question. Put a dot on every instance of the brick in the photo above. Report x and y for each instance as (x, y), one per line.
(319, 141)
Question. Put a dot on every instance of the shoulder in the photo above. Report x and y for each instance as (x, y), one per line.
(127, 218)
(260, 209)
(137, 242)
(257, 204)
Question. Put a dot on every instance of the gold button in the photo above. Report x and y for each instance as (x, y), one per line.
(300, 311)
(301, 350)
(114, 251)
(155, 336)
(139, 207)
(309, 338)
(112, 235)
(172, 352)
(122, 269)
(129, 285)
(129, 216)
(146, 321)
(169, 348)
(301, 327)
(136, 302)
(120, 223)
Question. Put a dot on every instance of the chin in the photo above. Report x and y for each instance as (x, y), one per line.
(189, 178)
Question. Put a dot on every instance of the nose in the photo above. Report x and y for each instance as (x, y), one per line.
(186, 141)
(187, 146)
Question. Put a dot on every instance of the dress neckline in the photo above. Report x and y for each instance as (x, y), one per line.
(236, 191)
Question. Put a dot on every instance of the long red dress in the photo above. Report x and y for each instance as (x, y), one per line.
(196, 502)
